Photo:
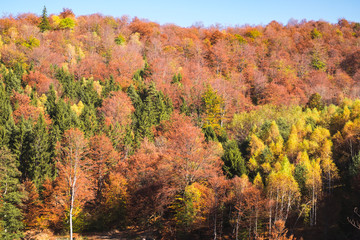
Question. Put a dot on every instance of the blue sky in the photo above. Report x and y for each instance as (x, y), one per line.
(186, 12)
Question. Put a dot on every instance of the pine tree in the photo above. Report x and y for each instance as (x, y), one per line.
(40, 165)
(20, 145)
(12, 82)
(6, 119)
(88, 121)
(233, 161)
(64, 117)
(44, 25)
(10, 215)
(51, 102)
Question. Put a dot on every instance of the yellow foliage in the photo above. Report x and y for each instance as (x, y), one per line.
(277, 146)
(78, 108)
(97, 86)
(256, 145)
(56, 21)
(293, 142)
(258, 182)
(266, 167)
(252, 164)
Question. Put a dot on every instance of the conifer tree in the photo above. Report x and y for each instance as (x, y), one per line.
(11, 81)
(233, 161)
(214, 109)
(40, 165)
(51, 101)
(88, 120)
(20, 145)
(44, 25)
(10, 215)
(6, 120)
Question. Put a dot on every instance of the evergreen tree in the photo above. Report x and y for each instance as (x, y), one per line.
(44, 25)
(70, 87)
(234, 164)
(12, 82)
(51, 102)
(151, 107)
(88, 95)
(64, 117)
(10, 214)
(210, 134)
(109, 85)
(315, 101)
(20, 145)
(40, 165)
(6, 120)
(88, 120)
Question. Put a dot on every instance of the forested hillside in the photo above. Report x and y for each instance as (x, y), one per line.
(249, 132)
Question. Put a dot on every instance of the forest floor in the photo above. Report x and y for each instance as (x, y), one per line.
(114, 235)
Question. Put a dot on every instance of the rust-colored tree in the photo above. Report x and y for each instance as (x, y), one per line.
(73, 184)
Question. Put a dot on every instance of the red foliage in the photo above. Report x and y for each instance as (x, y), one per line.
(117, 109)
(103, 157)
(31, 205)
(38, 80)
(23, 108)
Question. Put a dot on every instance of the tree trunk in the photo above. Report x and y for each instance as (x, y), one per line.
(72, 207)
(270, 214)
(237, 226)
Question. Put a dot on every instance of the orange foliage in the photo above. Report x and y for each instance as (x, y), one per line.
(39, 81)
(23, 108)
(31, 205)
(117, 109)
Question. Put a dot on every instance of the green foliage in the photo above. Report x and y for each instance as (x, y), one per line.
(151, 108)
(177, 78)
(315, 101)
(6, 120)
(20, 145)
(317, 62)
(210, 134)
(315, 34)
(70, 87)
(30, 43)
(234, 163)
(12, 81)
(120, 40)
(87, 94)
(254, 33)
(109, 85)
(44, 25)
(67, 23)
(300, 173)
(89, 122)
(240, 39)
(354, 165)
(10, 214)
(64, 117)
(40, 164)
(214, 109)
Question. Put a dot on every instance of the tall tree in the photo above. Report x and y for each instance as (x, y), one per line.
(6, 119)
(214, 109)
(41, 166)
(73, 165)
(11, 196)
(44, 25)
(234, 164)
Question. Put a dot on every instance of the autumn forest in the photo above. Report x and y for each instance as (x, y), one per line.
(125, 125)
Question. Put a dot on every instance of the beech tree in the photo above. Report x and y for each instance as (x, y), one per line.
(73, 165)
